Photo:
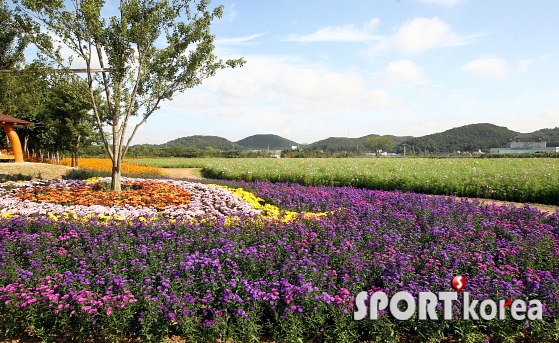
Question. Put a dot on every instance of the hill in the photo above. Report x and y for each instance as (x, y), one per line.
(200, 142)
(464, 138)
(551, 136)
(338, 144)
(270, 141)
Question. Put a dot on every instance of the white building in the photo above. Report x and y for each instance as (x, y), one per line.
(524, 143)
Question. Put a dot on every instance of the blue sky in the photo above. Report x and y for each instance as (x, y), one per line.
(325, 68)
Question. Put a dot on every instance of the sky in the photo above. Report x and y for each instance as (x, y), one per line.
(349, 68)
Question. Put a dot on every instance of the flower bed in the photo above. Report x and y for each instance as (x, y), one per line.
(158, 195)
(163, 198)
(105, 165)
(289, 280)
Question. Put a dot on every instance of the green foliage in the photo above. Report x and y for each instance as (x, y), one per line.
(12, 42)
(464, 138)
(273, 142)
(143, 75)
(551, 136)
(11, 177)
(340, 144)
(199, 142)
(383, 143)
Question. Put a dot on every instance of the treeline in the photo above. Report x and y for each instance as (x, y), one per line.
(33, 92)
(348, 145)
(149, 151)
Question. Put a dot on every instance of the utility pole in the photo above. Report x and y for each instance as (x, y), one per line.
(404, 149)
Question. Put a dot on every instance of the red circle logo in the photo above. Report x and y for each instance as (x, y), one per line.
(458, 283)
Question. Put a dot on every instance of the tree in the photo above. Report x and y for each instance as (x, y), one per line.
(12, 42)
(379, 143)
(143, 72)
(71, 118)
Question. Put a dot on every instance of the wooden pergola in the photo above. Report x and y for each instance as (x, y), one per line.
(8, 123)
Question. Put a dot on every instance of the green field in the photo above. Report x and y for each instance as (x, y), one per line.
(515, 179)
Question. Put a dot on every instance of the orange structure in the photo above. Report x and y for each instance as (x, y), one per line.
(8, 123)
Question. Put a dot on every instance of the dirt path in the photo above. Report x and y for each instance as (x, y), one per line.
(178, 173)
(544, 208)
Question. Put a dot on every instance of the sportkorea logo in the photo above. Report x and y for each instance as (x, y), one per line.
(427, 302)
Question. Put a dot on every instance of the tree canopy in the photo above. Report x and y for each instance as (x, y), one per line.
(147, 51)
(378, 143)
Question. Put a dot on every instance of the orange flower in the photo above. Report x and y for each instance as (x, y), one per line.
(105, 164)
(135, 193)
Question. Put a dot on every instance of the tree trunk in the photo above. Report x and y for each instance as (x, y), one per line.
(76, 152)
(115, 177)
(117, 162)
(25, 152)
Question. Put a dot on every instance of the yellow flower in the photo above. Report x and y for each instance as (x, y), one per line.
(53, 216)
(269, 210)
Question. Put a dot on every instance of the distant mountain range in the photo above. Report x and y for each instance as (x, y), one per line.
(464, 138)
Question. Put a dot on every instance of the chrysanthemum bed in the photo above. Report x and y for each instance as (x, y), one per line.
(273, 260)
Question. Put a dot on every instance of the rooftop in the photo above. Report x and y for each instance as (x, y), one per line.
(4, 118)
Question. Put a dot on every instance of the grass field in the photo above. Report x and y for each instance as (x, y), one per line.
(522, 180)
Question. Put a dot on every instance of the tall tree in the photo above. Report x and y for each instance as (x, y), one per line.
(12, 41)
(379, 143)
(144, 72)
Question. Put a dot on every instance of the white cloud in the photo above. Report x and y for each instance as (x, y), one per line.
(492, 68)
(240, 91)
(524, 64)
(400, 71)
(445, 2)
(238, 40)
(191, 100)
(528, 122)
(372, 24)
(347, 33)
(551, 116)
(230, 12)
(312, 90)
(292, 87)
(230, 112)
(427, 92)
(420, 34)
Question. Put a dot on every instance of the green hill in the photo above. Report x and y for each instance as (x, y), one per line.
(269, 141)
(464, 138)
(551, 136)
(200, 142)
(339, 144)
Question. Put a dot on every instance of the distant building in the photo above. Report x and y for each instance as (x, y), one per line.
(524, 143)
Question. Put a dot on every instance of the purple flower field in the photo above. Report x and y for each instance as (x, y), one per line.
(296, 281)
